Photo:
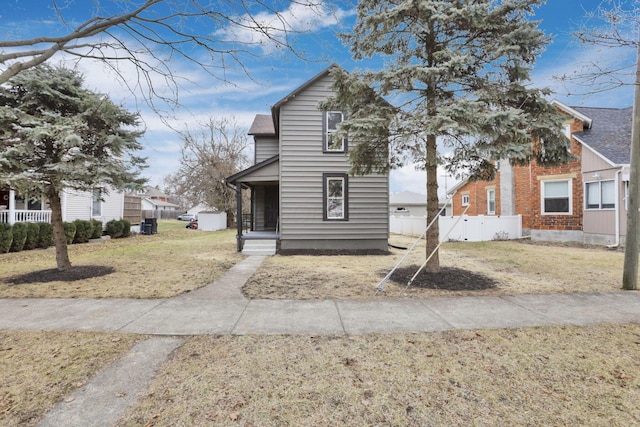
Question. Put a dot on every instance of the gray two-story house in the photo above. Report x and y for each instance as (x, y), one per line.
(301, 193)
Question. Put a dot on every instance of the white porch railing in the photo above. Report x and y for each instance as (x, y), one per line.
(25, 216)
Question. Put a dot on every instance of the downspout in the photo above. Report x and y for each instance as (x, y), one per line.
(617, 210)
(238, 190)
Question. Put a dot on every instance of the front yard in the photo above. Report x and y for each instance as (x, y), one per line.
(588, 376)
(177, 260)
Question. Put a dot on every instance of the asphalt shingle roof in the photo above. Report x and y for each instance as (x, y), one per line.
(610, 132)
(262, 125)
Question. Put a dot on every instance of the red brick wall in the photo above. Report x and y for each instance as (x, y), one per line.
(538, 221)
(528, 191)
(477, 191)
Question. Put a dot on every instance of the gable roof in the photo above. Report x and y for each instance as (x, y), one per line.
(408, 198)
(233, 178)
(262, 125)
(275, 110)
(610, 133)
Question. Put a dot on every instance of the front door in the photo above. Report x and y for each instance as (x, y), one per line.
(271, 207)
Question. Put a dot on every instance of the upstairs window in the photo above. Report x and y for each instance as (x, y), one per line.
(465, 200)
(600, 195)
(556, 196)
(331, 123)
(336, 202)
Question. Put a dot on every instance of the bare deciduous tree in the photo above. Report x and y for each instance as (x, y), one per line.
(207, 157)
(151, 34)
(615, 24)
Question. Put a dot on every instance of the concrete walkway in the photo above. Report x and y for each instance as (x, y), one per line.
(220, 308)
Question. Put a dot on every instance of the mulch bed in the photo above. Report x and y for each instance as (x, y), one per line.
(448, 278)
(73, 274)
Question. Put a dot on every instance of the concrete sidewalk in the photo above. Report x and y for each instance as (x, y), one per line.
(220, 308)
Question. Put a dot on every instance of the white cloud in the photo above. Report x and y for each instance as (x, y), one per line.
(269, 30)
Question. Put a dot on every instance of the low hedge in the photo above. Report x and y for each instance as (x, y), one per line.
(45, 235)
(32, 235)
(19, 236)
(84, 230)
(6, 237)
(69, 231)
(96, 232)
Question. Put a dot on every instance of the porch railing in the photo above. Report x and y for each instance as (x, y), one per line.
(25, 216)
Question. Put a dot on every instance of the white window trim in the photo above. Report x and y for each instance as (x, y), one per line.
(464, 200)
(599, 208)
(542, 186)
(328, 133)
(93, 195)
(489, 211)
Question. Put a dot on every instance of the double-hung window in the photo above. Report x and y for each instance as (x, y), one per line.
(331, 122)
(96, 203)
(556, 196)
(336, 200)
(600, 195)
(491, 201)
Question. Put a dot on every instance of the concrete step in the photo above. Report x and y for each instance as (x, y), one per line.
(259, 247)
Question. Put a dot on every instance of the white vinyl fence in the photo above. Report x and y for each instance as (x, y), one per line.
(469, 228)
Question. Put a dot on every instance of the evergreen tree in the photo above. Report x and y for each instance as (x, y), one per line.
(54, 134)
(459, 75)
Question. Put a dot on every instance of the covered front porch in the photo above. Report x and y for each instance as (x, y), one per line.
(262, 222)
(15, 209)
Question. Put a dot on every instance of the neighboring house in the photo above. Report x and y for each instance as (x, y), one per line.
(75, 205)
(301, 194)
(413, 204)
(157, 205)
(408, 203)
(581, 201)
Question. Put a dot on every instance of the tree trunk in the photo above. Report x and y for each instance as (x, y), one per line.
(630, 270)
(433, 234)
(59, 238)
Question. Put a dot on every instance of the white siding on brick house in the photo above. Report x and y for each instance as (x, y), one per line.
(302, 165)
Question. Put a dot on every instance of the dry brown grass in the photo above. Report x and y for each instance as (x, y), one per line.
(533, 376)
(40, 368)
(516, 267)
(174, 261)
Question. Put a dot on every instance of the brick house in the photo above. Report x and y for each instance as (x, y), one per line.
(580, 201)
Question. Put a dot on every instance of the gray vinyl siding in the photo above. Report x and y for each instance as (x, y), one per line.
(266, 147)
(259, 209)
(302, 164)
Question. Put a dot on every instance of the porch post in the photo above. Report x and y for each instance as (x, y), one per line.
(239, 215)
(12, 207)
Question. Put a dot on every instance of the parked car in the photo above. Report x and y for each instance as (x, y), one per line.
(186, 217)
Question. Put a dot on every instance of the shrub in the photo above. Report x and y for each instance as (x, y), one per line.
(69, 231)
(45, 235)
(19, 236)
(126, 228)
(96, 229)
(6, 237)
(33, 233)
(114, 228)
(84, 230)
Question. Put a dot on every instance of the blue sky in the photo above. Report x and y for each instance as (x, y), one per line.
(275, 73)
